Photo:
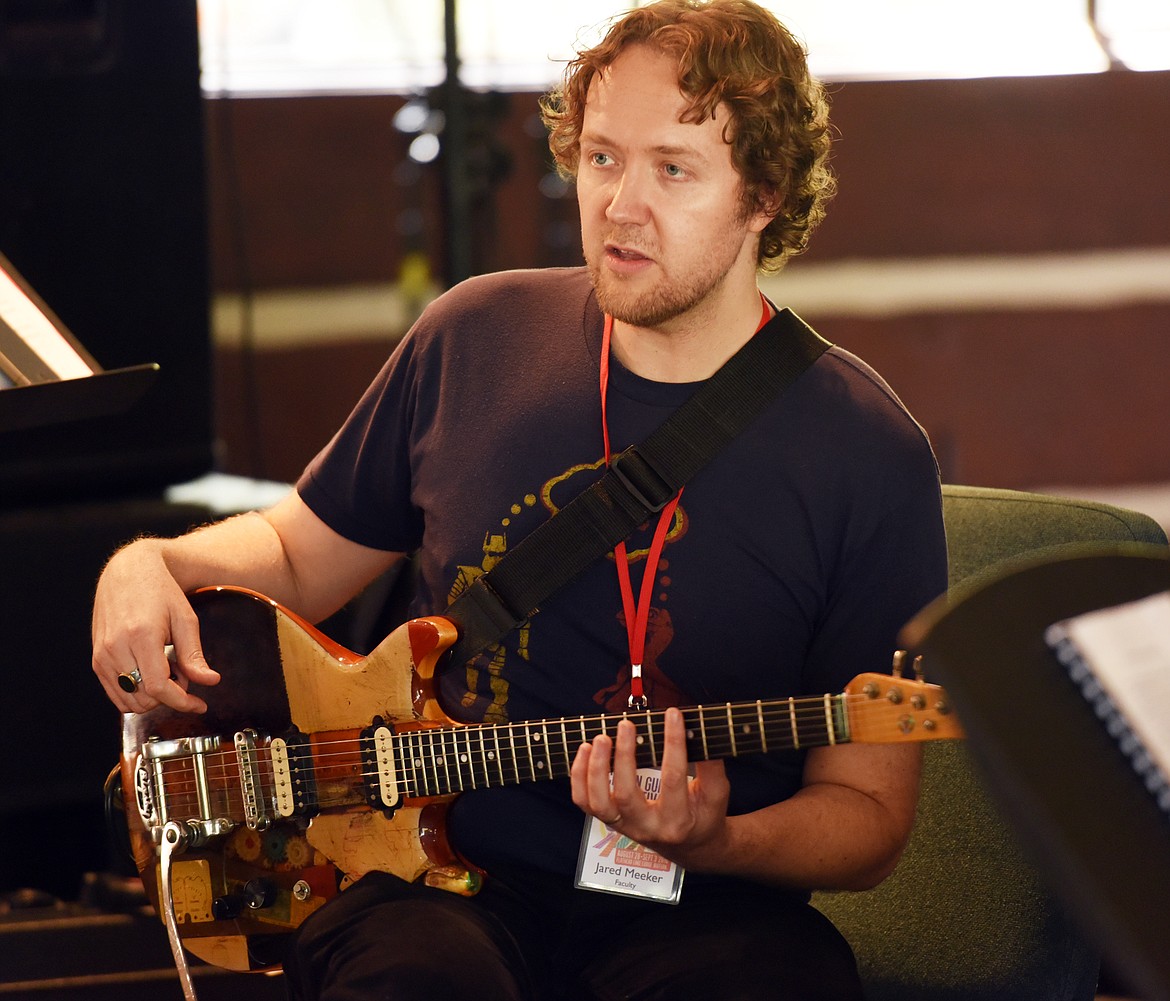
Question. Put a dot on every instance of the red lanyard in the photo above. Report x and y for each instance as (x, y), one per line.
(637, 619)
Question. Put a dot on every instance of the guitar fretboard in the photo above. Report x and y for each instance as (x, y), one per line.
(439, 761)
(300, 775)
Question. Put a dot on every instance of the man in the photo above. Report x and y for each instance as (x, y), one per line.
(698, 143)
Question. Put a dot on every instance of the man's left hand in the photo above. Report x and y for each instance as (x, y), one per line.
(687, 820)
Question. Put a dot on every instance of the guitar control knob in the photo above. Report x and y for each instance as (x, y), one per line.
(259, 893)
(227, 908)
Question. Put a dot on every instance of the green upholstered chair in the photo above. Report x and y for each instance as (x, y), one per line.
(966, 917)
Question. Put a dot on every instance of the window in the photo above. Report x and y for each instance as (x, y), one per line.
(299, 46)
(1136, 32)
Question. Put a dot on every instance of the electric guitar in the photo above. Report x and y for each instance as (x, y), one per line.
(315, 765)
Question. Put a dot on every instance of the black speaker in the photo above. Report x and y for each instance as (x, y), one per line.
(102, 210)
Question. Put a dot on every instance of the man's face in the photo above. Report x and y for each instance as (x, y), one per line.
(662, 216)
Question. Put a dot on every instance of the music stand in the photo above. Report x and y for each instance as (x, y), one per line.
(1095, 831)
(46, 375)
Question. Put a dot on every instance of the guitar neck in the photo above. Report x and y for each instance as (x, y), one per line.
(438, 761)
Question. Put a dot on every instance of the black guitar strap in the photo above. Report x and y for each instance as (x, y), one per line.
(639, 481)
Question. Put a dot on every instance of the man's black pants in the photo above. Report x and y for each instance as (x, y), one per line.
(531, 937)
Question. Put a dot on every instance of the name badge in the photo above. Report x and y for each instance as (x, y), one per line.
(612, 863)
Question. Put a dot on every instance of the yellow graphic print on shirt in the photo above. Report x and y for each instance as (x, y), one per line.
(486, 673)
(494, 547)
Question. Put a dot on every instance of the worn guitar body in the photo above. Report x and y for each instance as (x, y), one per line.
(315, 765)
(281, 674)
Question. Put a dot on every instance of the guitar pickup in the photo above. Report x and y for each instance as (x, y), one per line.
(294, 785)
(379, 767)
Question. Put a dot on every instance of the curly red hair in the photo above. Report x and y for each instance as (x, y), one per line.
(736, 53)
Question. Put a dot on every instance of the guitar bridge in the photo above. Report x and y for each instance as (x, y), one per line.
(250, 781)
(158, 760)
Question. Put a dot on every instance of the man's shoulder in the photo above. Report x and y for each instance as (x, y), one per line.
(852, 406)
(506, 319)
(520, 294)
(858, 384)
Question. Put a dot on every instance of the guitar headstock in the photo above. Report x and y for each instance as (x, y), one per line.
(889, 709)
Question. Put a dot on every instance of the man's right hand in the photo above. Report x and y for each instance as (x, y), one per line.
(139, 609)
(141, 606)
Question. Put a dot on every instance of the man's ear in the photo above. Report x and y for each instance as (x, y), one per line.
(767, 207)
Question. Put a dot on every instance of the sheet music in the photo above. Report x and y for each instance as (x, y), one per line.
(24, 320)
(1126, 650)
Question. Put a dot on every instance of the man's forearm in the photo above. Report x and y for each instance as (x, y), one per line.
(826, 837)
(244, 550)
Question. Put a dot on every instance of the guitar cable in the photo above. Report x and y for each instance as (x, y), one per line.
(114, 805)
(173, 843)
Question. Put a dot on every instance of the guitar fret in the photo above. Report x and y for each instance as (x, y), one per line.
(830, 729)
(548, 766)
(792, 720)
(565, 744)
(650, 739)
(450, 775)
(703, 733)
(483, 757)
(442, 763)
(411, 755)
(471, 734)
(431, 739)
(528, 748)
(461, 759)
(506, 752)
(517, 753)
(405, 763)
(750, 730)
(760, 722)
(450, 760)
(408, 757)
(498, 754)
(514, 761)
(453, 760)
(465, 756)
(469, 737)
(731, 731)
(422, 777)
(417, 765)
(435, 763)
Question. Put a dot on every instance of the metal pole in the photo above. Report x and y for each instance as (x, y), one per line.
(457, 210)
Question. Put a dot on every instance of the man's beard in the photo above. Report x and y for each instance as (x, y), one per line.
(666, 299)
(654, 307)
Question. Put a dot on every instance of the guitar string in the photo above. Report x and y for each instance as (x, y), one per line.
(533, 734)
(509, 765)
(720, 742)
(746, 716)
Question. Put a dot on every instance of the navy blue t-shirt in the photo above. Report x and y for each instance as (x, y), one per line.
(793, 560)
